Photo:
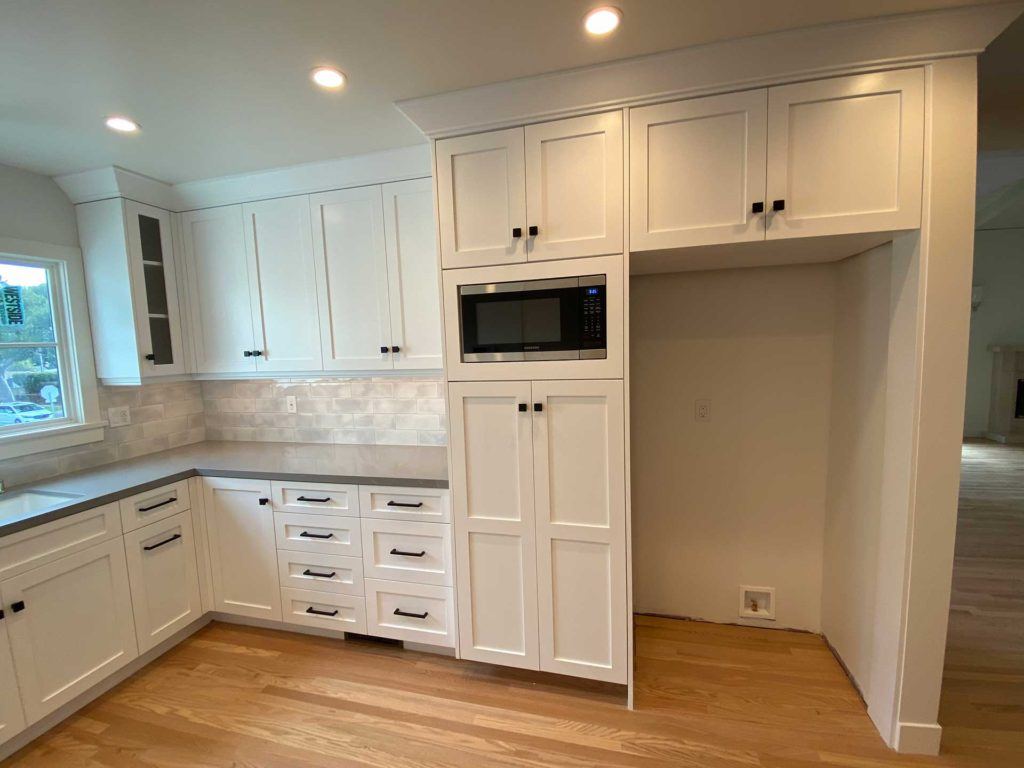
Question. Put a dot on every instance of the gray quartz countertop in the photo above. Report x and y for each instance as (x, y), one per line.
(411, 466)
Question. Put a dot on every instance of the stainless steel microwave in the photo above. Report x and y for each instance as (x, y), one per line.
(562, 318)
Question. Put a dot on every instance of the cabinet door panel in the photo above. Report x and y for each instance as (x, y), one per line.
(348, 238)
(283, 281)
(413, 274)
(155, 289)
(481, 191)
(581, 528)
(696, 169)
(846, 154)
(75, 629)
(574, 187)
(164, 578)
(492, 496)
(218, 278)
(243, 551)
(12, 717)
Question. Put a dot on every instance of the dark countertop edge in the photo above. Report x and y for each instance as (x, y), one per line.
(76, 506)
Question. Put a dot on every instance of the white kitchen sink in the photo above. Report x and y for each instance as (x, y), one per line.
(20, 504)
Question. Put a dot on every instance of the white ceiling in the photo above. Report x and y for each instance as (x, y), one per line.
(221, 86)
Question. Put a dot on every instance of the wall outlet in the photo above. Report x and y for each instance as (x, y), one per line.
(757, 602)
(119, 416)
(290, 404)
(702, 410)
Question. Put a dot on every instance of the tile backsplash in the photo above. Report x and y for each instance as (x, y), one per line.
(364, 410)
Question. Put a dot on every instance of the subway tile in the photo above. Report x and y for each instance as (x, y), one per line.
(353, 405)
(314, 435)
(254, 389)
(213, 390)
(330, 389)
(374, 420)
(294, 388)
(183, 407)
(394, 406)
(373, 389)
(142, 447)
(407, 389)
(430, 405)
(143, 413)
(165, 426)
(432, 437)
(354, 436)
(270, 405)
(417, 421)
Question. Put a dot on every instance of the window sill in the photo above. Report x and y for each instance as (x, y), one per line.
(17, 444)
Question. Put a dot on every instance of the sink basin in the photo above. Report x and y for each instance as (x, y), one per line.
(21, 504)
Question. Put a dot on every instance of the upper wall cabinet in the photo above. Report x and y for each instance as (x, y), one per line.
(827, 157)
(547, 191)
(380, 301)
(132, 284)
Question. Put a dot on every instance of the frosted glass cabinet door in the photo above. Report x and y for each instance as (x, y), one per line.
(574, 187)
(492, 497)
(697, 169)
(581, 528)
(845, 154)
(481, 199)
(218, 297)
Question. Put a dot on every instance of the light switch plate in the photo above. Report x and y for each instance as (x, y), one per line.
(119, 416)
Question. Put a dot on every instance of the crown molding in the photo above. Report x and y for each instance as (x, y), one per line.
(340, 173)
(807, 53)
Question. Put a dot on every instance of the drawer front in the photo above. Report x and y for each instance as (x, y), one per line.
(316, 498)
(157, 504)
(318, 533)
(343, 613)
(419, 613)
(412, 504)
(320, 573)
(25, 550)
(401, 551)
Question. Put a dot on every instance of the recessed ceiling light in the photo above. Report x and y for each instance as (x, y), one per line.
(601, 21)
(122, 124)
(328, 77)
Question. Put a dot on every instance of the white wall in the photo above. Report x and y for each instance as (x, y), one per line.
(999, 269)
(739, 499)
(33, 207)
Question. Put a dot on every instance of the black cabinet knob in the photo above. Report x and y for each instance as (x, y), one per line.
(246, 353)
(538, 407)
(18, 607)
(151, 356)
(264, 502)
(383, 350)
(517, 231)
(396, 350)
(757, 207)
(779, 205)
(533, 231)
(522, 407)
(257, 353)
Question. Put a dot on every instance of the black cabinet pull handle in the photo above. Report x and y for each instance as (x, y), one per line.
(779, 205)
(330, 575)
(18, 607)
(151, 547)
(151, 356)
(407, 554)
(517, 231)
(246, 353)
(534, 230)
(308, 535)
(522, 408)
(314, 611)
(400, 612)
(383, 350)
(538, 407)
(158, 505)
(411, 504)
(264, 502)
(396, 350)
(324, 500)
(757, 207)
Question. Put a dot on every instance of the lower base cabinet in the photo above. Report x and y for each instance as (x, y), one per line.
(164, 578)
(12, 718)
(325, 610)
(418, 613)
(70, 625)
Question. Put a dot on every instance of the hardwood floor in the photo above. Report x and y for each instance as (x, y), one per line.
(708, 696)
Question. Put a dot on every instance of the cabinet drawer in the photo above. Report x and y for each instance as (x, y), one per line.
(157, 504)
(320, 573)
(318, 533)
(316, 498)
(394, 503)
(25, 550)
(401, 551)
(419, 613)
(344, 613)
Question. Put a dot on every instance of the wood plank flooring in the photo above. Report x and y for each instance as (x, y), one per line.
(708, 696)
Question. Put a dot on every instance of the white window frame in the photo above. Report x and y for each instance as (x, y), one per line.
(81, 422)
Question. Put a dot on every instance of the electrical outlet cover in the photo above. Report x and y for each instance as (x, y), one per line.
(119, 416)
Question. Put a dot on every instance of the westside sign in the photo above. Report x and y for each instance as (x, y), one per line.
(12, 308)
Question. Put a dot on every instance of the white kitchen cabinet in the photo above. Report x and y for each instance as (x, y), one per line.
(579, 487)
(164, 578)
(70, 625)
(846, 154)
(414, 291)
(132, 285)
(481, 199)
(574, 187)
(213, 242)
(283, 283)
(355, 318)
(12, 718)
(417, 613)
(492, 494)
(697, 171)
(243, 550)
(538, 483)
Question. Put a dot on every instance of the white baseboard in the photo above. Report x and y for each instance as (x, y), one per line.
(918, 738)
